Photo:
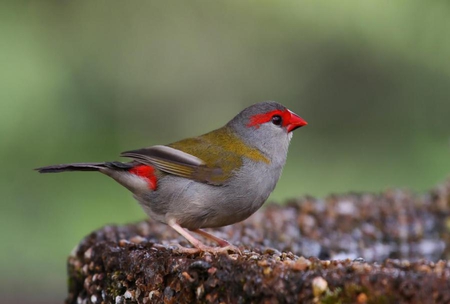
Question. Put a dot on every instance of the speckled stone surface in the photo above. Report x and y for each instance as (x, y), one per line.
(357, 248)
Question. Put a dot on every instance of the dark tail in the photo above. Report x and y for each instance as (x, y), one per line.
(71, 167)
(84, 167)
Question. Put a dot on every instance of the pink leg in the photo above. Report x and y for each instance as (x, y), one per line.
(221, 242)
(187, 235)
(225, 246)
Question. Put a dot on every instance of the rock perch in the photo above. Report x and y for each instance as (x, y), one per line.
(355, 248)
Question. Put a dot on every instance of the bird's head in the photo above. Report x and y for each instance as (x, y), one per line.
(267, 126)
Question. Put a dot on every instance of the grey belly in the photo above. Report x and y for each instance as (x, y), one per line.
(196, 205)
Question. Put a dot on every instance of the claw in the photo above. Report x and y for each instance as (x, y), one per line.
(230, 248)
(204, 248)
(225, 246)
(186, 250)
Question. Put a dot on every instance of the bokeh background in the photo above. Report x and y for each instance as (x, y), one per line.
(85, 80)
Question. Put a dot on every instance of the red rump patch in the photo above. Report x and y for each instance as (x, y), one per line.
(258, 119)
(147, 173)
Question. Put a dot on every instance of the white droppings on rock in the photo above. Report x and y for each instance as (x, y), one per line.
(319, 286)
(151, 293)
(85, 269)
(128, 295)
(344, 256)
(200, 291)
(346, 208)
(88, 253)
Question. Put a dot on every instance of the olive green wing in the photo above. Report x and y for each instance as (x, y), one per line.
(176, 162)
(211, 158)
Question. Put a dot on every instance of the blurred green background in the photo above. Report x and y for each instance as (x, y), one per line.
(85, 80)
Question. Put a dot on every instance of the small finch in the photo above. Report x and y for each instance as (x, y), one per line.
(213, 180)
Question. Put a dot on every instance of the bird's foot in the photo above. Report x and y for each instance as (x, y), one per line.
(222, 249)
(231, 248)
(225, 246)
(186, 250)
(212, 237)
(203, 248)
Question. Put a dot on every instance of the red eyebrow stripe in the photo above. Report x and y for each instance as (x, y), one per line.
(147, 173)
(258, 119)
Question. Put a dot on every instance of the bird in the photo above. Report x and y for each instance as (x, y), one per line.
(209, 181)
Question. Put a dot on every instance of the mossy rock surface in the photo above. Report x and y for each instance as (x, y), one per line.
(355, 248)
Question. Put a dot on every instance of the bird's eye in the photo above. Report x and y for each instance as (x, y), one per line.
(276, 120)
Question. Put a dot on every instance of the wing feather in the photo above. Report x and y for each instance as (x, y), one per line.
(176, 162)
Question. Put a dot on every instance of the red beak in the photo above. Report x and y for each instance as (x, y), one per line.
(295, 122)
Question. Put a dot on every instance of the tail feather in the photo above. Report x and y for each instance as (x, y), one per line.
(71, 167)
(85, 167)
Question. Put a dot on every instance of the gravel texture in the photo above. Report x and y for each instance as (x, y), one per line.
(354, 248)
